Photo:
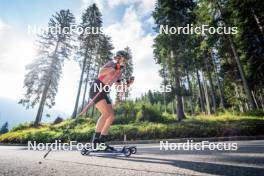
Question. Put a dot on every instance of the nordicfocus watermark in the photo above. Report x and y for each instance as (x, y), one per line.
(204, 145)
(192, 29)
(58, 145)
(58, 29)
(123, 88)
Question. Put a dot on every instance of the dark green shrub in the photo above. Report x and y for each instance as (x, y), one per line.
(125, 113)
(149, 113)
(22, 126)
(256, 112)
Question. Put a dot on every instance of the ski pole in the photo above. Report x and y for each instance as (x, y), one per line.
(89, 104)
(66, 130)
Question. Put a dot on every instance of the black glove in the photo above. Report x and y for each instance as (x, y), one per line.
(130, 80)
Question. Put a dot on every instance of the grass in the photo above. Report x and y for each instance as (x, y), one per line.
(225, 124)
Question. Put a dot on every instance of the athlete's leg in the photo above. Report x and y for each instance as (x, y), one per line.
(106, 111)
(109, 120)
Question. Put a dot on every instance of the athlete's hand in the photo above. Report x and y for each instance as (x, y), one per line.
(131, 80)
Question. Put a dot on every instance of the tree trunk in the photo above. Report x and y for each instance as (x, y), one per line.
(74, 114)
(46, 88)
(164, 101)
(200, 91)
(190, 91)
(242, 74)
(86, 83)
(92, 111)
(183, 104)
(208, 106)
(175, 105)
(211, 85)
(258, 22)
(240, 68)
(212, 92)
(172, 107)
(180, 112)
(164, 92)
(84, 92)
(255, 100)
(219, 85)
(42, 104)
(240, 105)
(242, 95)
(261, 100)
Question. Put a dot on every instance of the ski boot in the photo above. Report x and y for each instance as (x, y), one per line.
(127, 151)
(108, 148)
(94, 144)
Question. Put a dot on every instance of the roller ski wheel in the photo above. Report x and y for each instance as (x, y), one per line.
(133, 149)
(85, 152)
(127, 151)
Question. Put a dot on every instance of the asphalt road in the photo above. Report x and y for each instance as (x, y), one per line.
(247, 160)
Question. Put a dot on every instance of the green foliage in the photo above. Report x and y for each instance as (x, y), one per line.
(225, 124)
(25, 125)
(141, 111)
(149, 113)
(231, 65)
(125, 113)
(258, 113)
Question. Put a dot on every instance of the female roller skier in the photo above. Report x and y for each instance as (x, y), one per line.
(109, 74)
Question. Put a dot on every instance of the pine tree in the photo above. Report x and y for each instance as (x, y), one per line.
(43, 74)
(129, 69)
(89, 41)
(172, 47)
(237, 59)
(248, 16)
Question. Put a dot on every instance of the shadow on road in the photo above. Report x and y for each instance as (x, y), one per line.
(235, 163)
(203, 167)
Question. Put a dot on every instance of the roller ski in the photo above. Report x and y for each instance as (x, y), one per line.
(125, 150)
(99, 146)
